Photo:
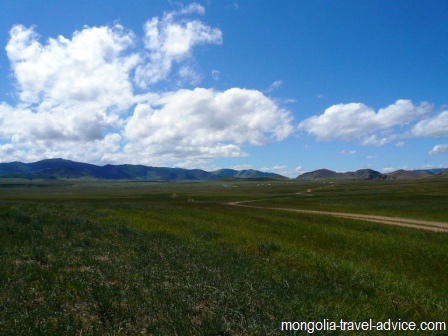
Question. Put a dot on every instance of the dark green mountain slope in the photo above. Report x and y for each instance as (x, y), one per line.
(66, 169)
(367, 174)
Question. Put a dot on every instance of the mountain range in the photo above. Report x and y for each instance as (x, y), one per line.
(52, 169)
(369, 174)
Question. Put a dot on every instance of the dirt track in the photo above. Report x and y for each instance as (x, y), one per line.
(413, 223)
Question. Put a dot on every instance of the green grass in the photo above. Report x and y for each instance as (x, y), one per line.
(419, 199)
(169, 259)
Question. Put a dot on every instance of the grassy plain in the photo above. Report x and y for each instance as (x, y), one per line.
(98, 257)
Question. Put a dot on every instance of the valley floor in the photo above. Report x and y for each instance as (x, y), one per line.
(128, 258)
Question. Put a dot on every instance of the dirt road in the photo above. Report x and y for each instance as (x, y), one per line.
(413, 223)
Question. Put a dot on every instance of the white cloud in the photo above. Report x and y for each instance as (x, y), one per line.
(88, 68)
(298, 171)
(215, 74)
(274, 86)
(171, 41)
(387, 170)
(356, 121)
(436, 126)
(77, 101)
(25, 127)
(273, 169)
(377, 140)
(392, 169)
(195, 164)
(189, 75)
(283, 170)
(71, 90)
(242, 167)
(431, 166)
(344, 152)
(92, 151)
(439, 149)
(400, 144)
(204, 124)
(192, 8)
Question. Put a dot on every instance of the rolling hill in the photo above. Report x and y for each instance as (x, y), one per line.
(325, 174)
(443, 173)
(369, 174)
(51, 169)
(402, 174)
(247, 173)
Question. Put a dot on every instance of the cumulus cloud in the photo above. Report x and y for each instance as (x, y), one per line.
(77, 100)
(356, 121)
(90, 67)
(436, 127)
(204, 123)
(169, 41)
(26, 127)
(69, 89)
(439, 149)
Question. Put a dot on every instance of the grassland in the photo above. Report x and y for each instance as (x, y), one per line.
(118, 258)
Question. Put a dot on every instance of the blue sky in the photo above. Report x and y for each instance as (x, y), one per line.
(283, 86)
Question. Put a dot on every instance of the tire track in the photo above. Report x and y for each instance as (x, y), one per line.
(406, 222)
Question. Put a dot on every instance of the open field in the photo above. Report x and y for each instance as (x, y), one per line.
(397, 221)
(89, 257)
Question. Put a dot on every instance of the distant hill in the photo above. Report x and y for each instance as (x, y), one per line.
(369, 174)
(422, 172)
(433, 171)
(363, 174)
(249, 173)
(437, 170)
(403, 175)
(443, 173)
(325, 174)
(51, 169)
(320, 174)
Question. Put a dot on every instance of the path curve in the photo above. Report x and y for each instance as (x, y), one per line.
(413, 223)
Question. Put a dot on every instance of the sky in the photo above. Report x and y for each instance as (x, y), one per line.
(285, 86)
